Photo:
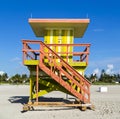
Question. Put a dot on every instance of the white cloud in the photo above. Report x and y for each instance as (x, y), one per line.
(2, 72)
(113, 63)
(110, 66)
(15, 59)
(21, 63)
(96, 71)
(98, 30)
(109, 69)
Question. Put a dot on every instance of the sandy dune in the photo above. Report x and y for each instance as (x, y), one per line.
(13, 97)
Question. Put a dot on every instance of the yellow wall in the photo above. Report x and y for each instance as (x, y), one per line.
(60, 36)
(63, 36)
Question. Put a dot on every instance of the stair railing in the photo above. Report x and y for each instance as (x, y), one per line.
(58, 69)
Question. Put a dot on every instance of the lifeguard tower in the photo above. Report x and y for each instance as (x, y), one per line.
(57, 63)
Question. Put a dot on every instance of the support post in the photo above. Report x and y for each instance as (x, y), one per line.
(31, 89)
(37, 71)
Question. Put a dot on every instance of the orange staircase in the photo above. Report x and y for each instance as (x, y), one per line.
(58, 69)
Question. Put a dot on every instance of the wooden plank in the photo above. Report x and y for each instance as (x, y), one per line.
(58, 104)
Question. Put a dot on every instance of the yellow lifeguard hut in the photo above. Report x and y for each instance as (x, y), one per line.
(57, 63)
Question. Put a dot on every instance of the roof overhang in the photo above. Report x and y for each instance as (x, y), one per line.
(40, 25)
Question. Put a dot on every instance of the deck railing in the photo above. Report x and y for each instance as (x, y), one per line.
(79, 52)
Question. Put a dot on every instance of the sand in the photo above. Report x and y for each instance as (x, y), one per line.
(12, 98)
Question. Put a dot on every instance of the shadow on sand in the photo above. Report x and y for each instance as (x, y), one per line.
(24, 100)
(19, 99)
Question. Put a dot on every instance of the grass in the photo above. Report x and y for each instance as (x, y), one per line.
(103, 83)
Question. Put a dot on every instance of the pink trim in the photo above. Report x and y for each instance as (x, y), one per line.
(59, 20)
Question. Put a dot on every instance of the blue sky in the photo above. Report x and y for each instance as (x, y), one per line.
(103, 32)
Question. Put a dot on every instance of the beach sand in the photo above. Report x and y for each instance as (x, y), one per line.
(12, 98)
